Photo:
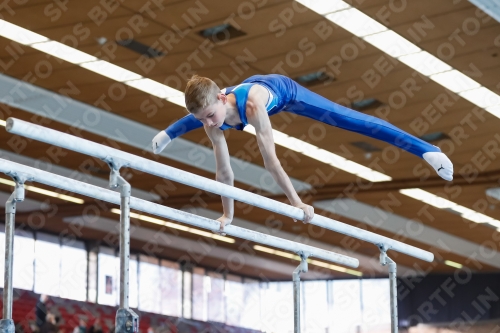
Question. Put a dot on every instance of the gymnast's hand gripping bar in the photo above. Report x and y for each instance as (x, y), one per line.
(56, 138)
(113, 197)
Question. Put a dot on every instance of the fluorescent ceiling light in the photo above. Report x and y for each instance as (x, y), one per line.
(64, 52)
(20, 35)
(455, 81)
(324, 7)
(309, 261)
(179, 100)
(453, 264)
(176, 226)
(442, 203)
(276, 252)
(293, 143)
(425, 63)
(111, 71)
(428, 198)
(494, 223)
(494, 110)
(482, 97)
(155, 88)
(392, 43)
(335, 267)
(374, 176)
(354, 167)
(44, 192)
(324, 156)
(356, 22)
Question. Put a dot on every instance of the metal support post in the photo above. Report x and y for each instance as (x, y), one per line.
(7, 324)
(385, 260)
(127, 321)
(302, 268)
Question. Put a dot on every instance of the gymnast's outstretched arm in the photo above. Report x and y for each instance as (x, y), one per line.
(180, 127)
(224, 172)
(257, 117)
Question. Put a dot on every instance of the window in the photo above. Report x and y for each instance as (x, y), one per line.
(251, 312)
(149, 284)
(235, 300)
(346, 309)
(315, 309)
(73, 271)
(170, 289)
(2, 254)
(186, 305)
(216, 298)
(133, 287)
(133, 282)
(24, 257)
(107, 280)
(376, 305)
(47, 264)
(92, 278)
(200, 294)
(277, 307)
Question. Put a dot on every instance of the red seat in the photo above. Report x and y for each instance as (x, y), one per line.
(70, 312)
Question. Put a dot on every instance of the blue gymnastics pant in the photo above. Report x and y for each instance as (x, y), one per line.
(314, 106)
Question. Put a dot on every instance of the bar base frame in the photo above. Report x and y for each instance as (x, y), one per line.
(17, 195)
(7, 326)
(126, 320)
(385, 260)
(301, 268)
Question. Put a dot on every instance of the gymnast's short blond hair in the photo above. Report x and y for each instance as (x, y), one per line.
(200, 92)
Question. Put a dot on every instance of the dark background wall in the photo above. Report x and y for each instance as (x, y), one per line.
(463, 297)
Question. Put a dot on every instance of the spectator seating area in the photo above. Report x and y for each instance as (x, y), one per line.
(70, 312)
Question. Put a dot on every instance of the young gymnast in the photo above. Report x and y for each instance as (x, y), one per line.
(261, 96)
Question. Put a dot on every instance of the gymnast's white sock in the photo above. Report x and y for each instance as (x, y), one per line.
(441, 163)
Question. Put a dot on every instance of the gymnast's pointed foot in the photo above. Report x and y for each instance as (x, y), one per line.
(160, 141)
(441, 163)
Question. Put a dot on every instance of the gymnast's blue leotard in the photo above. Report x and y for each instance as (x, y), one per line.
(287, 95)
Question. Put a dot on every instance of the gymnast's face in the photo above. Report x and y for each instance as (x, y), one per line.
(213, 115)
